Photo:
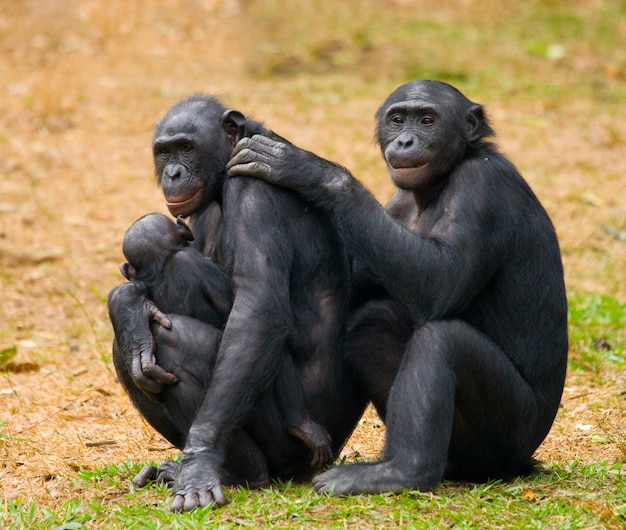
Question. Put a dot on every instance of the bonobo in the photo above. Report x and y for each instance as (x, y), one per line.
(471, 258)
(290, 280)
(177, 277)
(180, 279)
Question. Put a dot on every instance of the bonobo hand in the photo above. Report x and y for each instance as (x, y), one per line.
(131, 313)
(198, 482)
(262, 157)
(281, 164)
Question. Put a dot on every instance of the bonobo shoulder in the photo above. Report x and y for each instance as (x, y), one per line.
(254, 200)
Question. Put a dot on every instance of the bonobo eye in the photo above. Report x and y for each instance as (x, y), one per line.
(161, 151)
(187, 148)
(397, 119)
(427, 120)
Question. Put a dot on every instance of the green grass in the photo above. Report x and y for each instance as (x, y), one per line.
(597, 332)
(574, 496)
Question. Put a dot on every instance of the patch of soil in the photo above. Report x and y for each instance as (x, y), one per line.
(83, 84)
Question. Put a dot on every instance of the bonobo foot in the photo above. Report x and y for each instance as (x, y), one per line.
(164, 474)
(381, 477)
(315, 437)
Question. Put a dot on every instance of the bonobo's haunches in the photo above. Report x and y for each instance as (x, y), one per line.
(290, 284)
(180, 279)
(465, 355)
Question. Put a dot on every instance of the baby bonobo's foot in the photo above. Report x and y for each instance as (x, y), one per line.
(315, 437)
(164, 474)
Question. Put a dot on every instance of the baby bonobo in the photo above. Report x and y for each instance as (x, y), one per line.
(181, 280)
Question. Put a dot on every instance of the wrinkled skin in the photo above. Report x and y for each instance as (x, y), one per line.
(462, 343)
(231, 406)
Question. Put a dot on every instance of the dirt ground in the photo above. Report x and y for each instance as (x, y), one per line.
(82, 84)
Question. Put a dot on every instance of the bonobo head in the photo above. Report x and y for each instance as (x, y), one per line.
(424, 129)
(191, 146)
(149, 240)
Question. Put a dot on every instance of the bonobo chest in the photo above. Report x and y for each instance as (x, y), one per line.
(402, 206)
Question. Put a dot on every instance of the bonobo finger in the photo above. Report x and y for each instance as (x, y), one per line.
(265, 140)
(192, 501)
(147, 474)
(148, 386)
(154, 372)
(204, 498)
(178, 503)
(242, 144)
(250, 169)
(156, 315)
(218, 496)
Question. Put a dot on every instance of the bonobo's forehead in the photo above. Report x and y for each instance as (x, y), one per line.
(187, 117)
(431, 92)
(181, 121)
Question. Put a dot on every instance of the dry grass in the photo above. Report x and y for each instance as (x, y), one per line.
(83, 83)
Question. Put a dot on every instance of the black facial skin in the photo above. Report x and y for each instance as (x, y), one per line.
(458, 330)
(240, 400)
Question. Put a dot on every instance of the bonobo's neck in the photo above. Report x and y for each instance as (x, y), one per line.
(206, 228)
(255, 127)
(424, 196)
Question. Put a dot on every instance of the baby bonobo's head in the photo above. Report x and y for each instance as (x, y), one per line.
(150, 239)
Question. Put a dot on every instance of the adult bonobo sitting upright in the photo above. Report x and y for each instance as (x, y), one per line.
(290, 281)
(180, 279)
(473, 259)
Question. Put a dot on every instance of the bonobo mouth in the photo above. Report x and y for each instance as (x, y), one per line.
(187, 206)
(403, 172)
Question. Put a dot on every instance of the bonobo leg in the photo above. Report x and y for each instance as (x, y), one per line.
(297, 419)
(378, 334)
(188, 350)
(458, 401)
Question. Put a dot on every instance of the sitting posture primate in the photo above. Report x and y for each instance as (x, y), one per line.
(290, 280)
(180, 279)
(472, 261)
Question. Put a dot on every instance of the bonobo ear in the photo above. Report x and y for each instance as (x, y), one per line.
(477, 124)
(184, 229)
(234, 124)
(128, 271)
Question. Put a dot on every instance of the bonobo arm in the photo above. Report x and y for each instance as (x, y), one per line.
(252, 346)
(432, 274)
(131, 312)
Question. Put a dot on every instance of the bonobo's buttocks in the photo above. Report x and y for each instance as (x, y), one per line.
(458, 330)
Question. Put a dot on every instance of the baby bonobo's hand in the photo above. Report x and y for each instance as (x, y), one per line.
(131, 314)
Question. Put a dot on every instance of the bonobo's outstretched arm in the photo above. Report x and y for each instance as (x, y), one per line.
(449, 277)
(131, 313)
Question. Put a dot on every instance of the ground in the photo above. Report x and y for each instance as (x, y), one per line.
(83, 83)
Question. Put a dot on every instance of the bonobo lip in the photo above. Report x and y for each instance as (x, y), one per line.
(407, 171)
(414, 166)
(187, 206)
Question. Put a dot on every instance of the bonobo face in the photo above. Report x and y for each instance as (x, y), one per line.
(424, 129)
(190, 151)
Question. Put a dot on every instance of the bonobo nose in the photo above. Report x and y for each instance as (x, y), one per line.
(174, 171)
(405, 140)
